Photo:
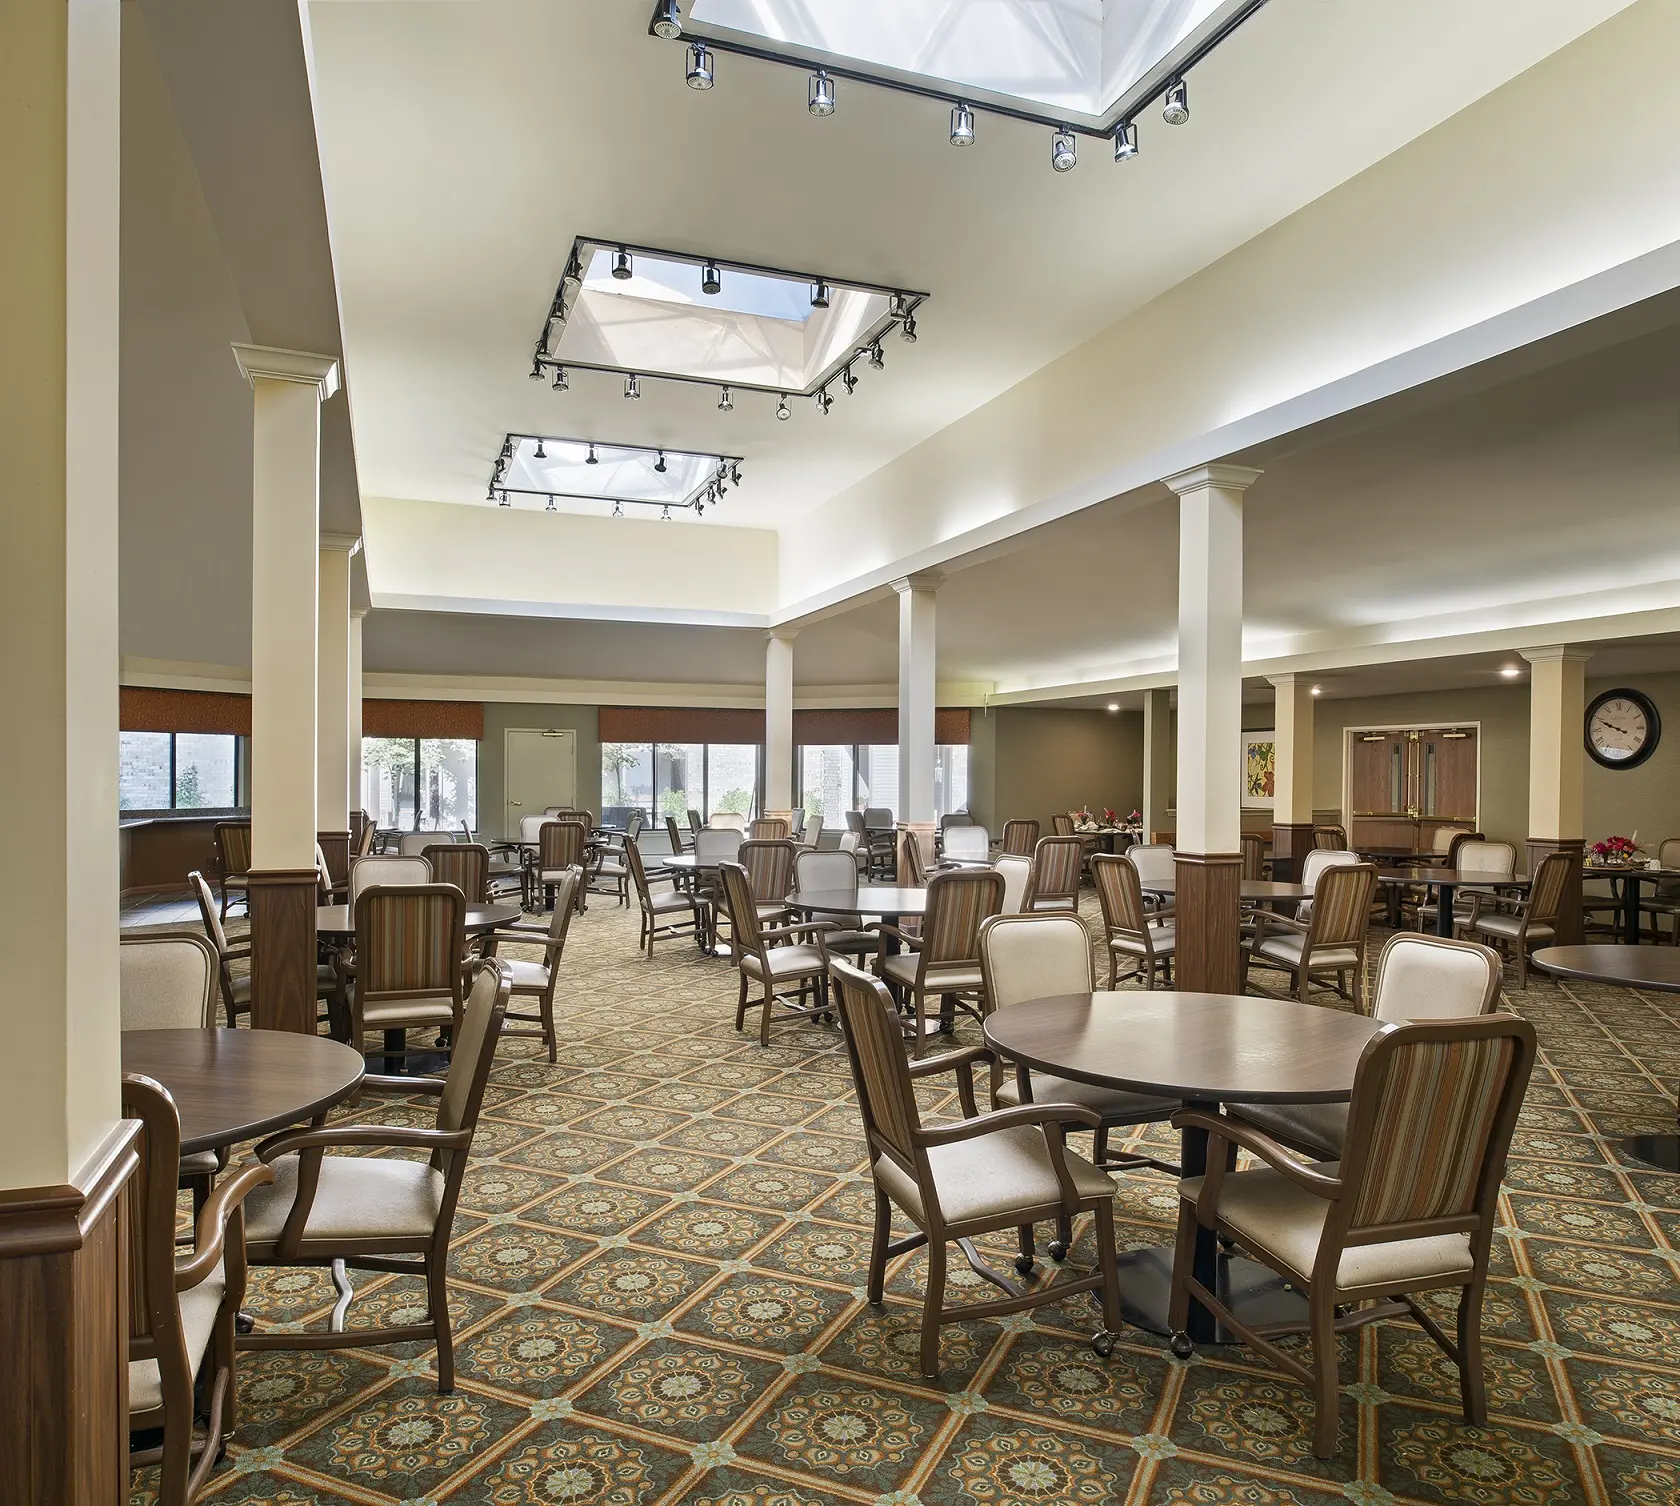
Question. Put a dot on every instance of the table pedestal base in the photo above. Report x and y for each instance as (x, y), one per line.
(1660, 1151)
(1256, 1293)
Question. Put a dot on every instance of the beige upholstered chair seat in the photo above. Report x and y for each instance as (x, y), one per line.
(1001, 1176)
(1109, 1102)
(1510, 927)
(358, 1197)
(1269, 1213)
(550, 875)
(1320, 1125)
(786, 962)
(528, 977)
(199, 1305)
(1287, 948)
(393, 1014)
(949, 980)
(669, 902)
(772, 915)
(851, 941)
(200, 1163)
(1162, 939)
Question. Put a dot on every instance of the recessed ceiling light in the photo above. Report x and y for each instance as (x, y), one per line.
(1318, 690)
(1113, 705)
(623, 267)
(1175, 108)
(962, 126)
(1511, 671)
(667, 22)
(822, 94)
(1063, 153)
(699, 66)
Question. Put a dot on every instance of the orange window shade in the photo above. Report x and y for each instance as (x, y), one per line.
(142, 708)
(423, 719)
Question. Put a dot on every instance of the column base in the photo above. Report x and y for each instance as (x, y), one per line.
(64, 1312)
(283, 949)
(1569, 924)
(1208, 923)
(1291, 842)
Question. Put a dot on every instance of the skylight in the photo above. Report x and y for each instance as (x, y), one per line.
(667, 281)
(549, 470)
(1077, 58)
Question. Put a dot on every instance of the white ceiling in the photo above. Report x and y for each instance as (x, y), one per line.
(465, 146)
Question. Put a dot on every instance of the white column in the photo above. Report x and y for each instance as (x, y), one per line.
(333, 797)
(916, 671)
(1292, 724)
(1210, 581)
(289, 388)
(1157, 761)
(353, 711)
(778, 720)
(1557, 763)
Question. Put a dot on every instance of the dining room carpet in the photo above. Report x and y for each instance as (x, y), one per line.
(657, 1297)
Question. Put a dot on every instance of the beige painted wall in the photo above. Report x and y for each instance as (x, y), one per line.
(1032, 761)
(499, 716)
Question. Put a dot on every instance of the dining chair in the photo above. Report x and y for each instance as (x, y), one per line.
(1144, 937)
(387, 872)
(728, 820)
(833, 872)
(167, 980)
(1019, 838)
(1025, 958)
(1459, 836)
(810, 835)
(1516, 925)
(364, 838)
(1490, 861)
(1330, 838)
(852, 845)
(1320, 860)
(536, 980)
(409, 960)
(772, 958)
(236, 992)
(1253, 855)
(233, 860)
(694, 821)
(1156, 863)
(769, 829)
(413, 844)
(611, 867)
(181, 1302)
(1058, 863)
(674, 836)
(714, 844)
(880, 842)
(1418, 978)
(1017, 871)
(1666, 899)
(382, 1213)
(1332, 940)
(913, 871)
(1410, 1207)
(1007, 1169)
(661, 903)
(943, 959)
(466, 865)
(1061, 824)
(562, 843)
(968, 844)
(769, 864)
(530, 828)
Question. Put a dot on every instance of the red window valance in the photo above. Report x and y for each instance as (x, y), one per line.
(423, 719)
(143, 708)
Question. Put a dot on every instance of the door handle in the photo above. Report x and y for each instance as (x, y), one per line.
(516, 802)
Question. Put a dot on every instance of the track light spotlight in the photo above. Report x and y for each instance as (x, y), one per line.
(490, 492)
(907, 330)
(506, 501)
(618, 509)
(1175, 108)
(542, 454)
(1063, 153)
(667, 21)
(726, 401)
(735, 473)
(784, 412)
(536, 368)
(550, 507)
(699, 66)
(632, 387)
(659, 465)
(822, 94)
(877, 357)
(711, 281)
(962, 126)
(699, 509)
(848, 381)
(1125, 141)
(819, 295)
(899, 306)
(624, 268)
(559, 378)
(665, 513)
(824, 401)
(591, 458)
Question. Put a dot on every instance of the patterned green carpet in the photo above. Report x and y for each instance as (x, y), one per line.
(658, 1297)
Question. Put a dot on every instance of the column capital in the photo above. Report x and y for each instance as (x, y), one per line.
(348, 543)
(780, 634)
(357, 613)
(270, 361)
(1556, 653)
(1231, 478)
(928, 580)
(1286, 681)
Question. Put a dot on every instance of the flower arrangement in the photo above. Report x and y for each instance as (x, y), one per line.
(1109, 818)
(1134, 818)
(1616, 852)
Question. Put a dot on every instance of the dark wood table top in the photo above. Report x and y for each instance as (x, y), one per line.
(1209, 1048)
(339, 920)
(870, 899)
(1252, 889)
(232, 1085)
(1621, 871)
(1408, 874)
(1652, 967)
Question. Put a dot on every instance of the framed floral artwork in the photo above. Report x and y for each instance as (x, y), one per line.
(1259, 770)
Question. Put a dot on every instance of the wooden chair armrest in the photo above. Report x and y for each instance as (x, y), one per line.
(961, 1062)
(1010, 1118)
(886, 928)
(396, 1084)
(235, 952)
(1223, 1131)
(803, 928)
(1150, 916)
(395, 1136)
(210, 1230)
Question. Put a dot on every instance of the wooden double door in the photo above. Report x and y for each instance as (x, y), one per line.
(1411, 787)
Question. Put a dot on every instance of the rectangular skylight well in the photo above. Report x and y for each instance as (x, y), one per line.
(678, 282)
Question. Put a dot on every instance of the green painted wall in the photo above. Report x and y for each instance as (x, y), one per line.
(499, 716)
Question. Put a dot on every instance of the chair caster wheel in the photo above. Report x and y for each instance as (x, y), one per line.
(1102, 1341)
(1024, 1264)
(1058, 1251)
(1181, 1346)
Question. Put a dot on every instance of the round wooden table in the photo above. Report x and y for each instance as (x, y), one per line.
(335, 921)
(1204, 1050)
(1625, 884)
(890, 903)
(1254, 891)
(233, 1085)
(1655, 968)
(1448, 881)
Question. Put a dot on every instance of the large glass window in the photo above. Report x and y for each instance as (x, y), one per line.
(420, 783)
(836, 779)
(878, 777)
(679, 781)
(732, 777)
(661, 779)
(827, 783)
(158, 771)
(950, 778)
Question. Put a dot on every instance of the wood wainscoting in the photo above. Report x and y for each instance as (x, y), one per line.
(1207, 907)
(283, 949)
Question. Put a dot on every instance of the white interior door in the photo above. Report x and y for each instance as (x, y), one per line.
(540, 770)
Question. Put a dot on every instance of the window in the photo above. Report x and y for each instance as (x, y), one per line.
(878, 777)
(159, 771)
(950, 778)
(828, 783)
(671, 779)
(835, 778)
(441, 771)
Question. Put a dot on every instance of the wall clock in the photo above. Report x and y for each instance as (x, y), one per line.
(1623, 729)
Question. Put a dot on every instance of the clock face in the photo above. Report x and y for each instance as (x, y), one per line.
(1622, 729)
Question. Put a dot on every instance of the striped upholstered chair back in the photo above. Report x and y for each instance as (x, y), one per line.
(1120, 893)
(769, 829)
(1341, 908)
(769, 865)
(1057, 863)
(1061, 825)
(1434, 1104)
(1019, 838)
(560, 844)
(880, 1073)
(914, 866)
(1545, 895)
(410, 943)
(466, 865)
(958, 900)
(1330, 838)
(233, 847)
(1253, 854)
